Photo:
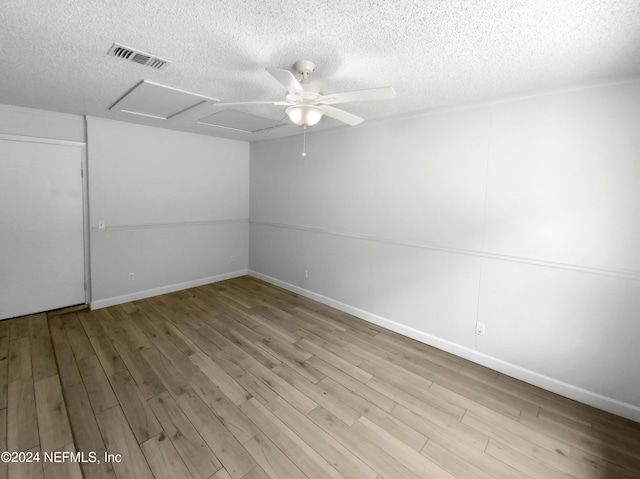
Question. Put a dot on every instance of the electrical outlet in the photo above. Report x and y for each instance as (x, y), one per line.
(480, 328)
(132, 276)
(306, 273)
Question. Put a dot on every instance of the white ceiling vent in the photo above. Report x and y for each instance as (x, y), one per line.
(137, 56)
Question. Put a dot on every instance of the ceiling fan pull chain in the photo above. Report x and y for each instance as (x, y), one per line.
(304, 140)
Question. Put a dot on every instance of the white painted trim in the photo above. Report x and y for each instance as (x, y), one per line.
(37, 139)
(584, 396)
(172, 225)
(627, 274)
(86, 231)
(125, 298)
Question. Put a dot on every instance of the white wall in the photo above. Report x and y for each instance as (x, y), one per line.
(524, 215)
(175, 207)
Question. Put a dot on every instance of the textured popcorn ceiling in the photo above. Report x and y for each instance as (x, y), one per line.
(433, 52)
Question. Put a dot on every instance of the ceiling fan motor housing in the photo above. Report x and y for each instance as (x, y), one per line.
(304, 67)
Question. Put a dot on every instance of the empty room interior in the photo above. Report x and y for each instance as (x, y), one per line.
(320, 239)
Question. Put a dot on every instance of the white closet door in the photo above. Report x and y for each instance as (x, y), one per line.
(41, 227)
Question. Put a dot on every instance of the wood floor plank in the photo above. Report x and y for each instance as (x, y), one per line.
(246, 340)
(164, 460)
(43, 361)
(86, 432)
(201, 342)
(97, 385)
(108, 356)
(182, 342)
(226, 346)
(253, 385)
(327, 446)
(53, 422)
(355, 386)
(223, 408)
(64, 469)
(415, 351)
(342, 411)
(513, 433)
(233, 456)
(427, 402)
(3, 439)
(312, 464)
(4, 371)
(119, 439)
(223, 474)
(472, 464)
(331, 388)
(90, 322)
(379, 459)
(292, 356)
(174, 355)
(523, 463)
(281, 387)
(474, 390)
(19, 327)
(189, 444)
(273, 461)
(166, 372)
(268, 329)
(402, 431)
(595, 444)
(320, 320)
(78, 340)
(334, 360)
(141, 419)
(144, 376)
(130, 328)
(19, 358)
(28, 470)
(411, 459)
(67, 366)
(599, 467)
(401, 379)
(446, 430)
(228, 385)
(22, 423)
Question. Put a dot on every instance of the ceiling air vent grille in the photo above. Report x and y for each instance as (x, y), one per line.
(137, 56)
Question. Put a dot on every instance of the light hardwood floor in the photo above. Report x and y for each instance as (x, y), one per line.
(240, 379)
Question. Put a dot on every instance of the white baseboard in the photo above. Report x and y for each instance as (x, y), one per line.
(584, 396)
(125, 298)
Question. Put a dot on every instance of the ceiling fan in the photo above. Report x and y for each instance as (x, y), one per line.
(307, 105)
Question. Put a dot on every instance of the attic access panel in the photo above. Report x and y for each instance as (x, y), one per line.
(239, 121)
(158, 101)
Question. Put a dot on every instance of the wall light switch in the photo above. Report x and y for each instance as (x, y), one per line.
(101, 224)
(480, 329)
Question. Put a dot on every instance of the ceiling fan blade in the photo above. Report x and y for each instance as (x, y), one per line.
(286, 78)
(341, 115)
(384, 93)
(278, 103)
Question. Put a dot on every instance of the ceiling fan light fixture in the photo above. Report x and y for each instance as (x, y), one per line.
(304, 115)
